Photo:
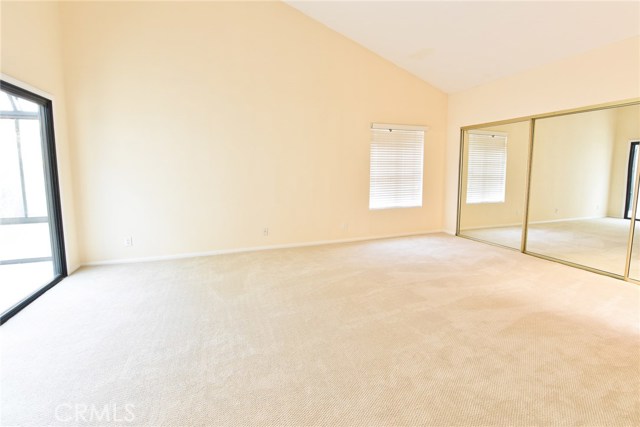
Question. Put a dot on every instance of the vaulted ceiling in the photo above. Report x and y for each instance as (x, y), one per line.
(456, 45)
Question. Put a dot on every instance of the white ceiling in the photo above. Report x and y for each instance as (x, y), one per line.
(457, 45)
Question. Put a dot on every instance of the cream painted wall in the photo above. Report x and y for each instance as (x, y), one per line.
(571, 166)
(31, 54)
(627, 129)
(602, 75)
(511, 211)
(196, 125)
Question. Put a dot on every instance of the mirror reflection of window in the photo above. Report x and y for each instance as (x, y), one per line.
(487, 176)
(494, 183)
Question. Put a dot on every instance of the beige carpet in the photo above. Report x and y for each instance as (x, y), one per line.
(599, 243)
(432, 330)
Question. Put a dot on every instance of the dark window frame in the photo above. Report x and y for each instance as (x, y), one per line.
(52, 187)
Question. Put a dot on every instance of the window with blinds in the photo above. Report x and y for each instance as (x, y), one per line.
(397, 154)
(486, 167)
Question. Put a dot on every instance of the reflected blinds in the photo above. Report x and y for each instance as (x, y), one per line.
(487, 168)
(396, 168)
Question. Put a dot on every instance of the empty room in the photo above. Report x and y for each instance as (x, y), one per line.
(319, 213)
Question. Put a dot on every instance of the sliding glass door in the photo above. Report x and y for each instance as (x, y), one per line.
(31, 243)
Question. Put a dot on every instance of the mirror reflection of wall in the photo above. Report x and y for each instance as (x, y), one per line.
(493, 183)
(581, 187)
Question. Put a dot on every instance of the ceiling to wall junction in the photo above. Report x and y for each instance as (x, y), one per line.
(456, 45)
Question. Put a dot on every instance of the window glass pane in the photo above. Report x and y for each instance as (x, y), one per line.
(11, 205)
(25, 105)
(33, 168)
(5, 104)
(27, 241)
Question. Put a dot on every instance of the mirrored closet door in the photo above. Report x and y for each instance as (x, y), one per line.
(580, 187)
(493, 183)
(560, 186)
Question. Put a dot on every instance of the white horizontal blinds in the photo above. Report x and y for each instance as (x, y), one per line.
(486, 168)
(396, 168)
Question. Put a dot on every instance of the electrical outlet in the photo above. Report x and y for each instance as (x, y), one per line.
(265, 232)
(128, 241)
(345, 226)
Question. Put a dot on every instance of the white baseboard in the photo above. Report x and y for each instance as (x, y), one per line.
(254, 249)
